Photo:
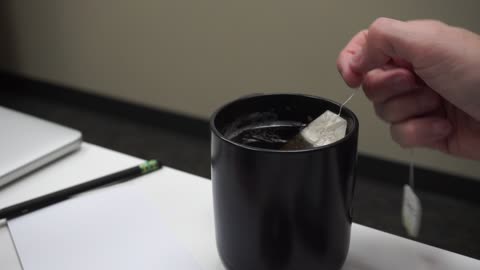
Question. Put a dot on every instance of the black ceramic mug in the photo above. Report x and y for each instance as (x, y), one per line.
(282, 209)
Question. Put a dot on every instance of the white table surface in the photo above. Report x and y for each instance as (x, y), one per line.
(185, 202)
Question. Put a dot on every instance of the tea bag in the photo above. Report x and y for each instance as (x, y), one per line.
(411, 205)
(325, 129)
(328, 128)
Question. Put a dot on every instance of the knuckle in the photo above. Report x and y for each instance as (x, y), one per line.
(436, 23)
(431, 27)
(392, 111)
(363, 33)
(397, 136)
(339, 64)
(381, 112)
(437, 28)
(409, 129)
(404, 134)
(378, 26)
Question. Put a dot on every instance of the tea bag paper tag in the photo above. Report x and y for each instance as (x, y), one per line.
(411, 211)
(327, 128)
(411, 205)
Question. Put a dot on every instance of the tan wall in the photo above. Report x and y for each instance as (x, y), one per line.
(190, 56)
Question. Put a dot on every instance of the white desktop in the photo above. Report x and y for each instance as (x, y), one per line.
(183, 202)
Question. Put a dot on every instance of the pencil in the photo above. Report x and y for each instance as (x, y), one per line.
(64, 194)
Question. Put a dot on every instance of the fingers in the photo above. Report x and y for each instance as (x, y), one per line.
(404, 43)
(412, 104)
(382, 84)
(367, 50)
(345, 57)
(421, 132)
(387, 39)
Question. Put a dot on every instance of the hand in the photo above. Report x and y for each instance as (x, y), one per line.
(423, 78)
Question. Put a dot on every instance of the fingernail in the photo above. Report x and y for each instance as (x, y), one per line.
(441, 128)
(357, 58)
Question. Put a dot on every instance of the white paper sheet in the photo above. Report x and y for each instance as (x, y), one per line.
(111, 228)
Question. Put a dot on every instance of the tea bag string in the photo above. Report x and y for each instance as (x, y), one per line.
(411, 176)
(346, 101)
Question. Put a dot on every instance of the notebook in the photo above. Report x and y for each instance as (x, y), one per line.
(27, 143)
(111, 228)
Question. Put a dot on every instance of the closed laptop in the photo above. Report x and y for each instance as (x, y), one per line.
(27, 143)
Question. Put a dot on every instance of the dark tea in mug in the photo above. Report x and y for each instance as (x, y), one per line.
(268, 135)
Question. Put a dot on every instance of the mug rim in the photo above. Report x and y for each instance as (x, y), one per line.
(214, 129)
